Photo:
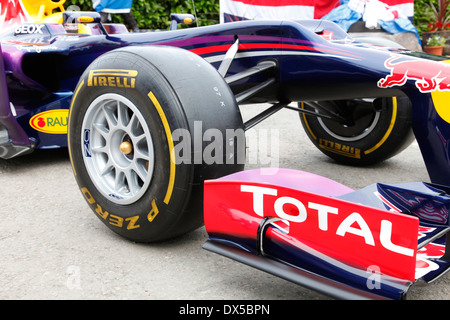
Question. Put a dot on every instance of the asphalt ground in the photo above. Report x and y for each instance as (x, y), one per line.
(52, 246)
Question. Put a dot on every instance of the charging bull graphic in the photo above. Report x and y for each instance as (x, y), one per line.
(429, 75)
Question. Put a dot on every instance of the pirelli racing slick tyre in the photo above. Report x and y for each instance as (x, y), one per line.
(375, 130)
(140, 130)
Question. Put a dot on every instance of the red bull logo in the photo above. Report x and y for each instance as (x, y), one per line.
(428, 75)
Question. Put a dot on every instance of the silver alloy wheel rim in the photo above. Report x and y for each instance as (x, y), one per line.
(111, 126)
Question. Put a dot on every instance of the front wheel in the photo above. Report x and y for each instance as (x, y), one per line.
(137, 129)
(374, 130)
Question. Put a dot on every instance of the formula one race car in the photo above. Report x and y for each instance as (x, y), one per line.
(149, 117)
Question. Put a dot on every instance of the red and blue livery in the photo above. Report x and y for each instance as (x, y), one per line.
(156, 140)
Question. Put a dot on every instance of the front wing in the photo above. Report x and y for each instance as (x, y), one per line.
(373, 243)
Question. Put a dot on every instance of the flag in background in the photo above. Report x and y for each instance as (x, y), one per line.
(235, 10)
(404, 7)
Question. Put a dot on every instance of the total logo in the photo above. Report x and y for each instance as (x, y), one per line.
(353, 234)
(52, 121)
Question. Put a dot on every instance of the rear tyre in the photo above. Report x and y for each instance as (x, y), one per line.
(377, 129)
(136, 129)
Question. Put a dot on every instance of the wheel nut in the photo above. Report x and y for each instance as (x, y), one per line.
(126, 147)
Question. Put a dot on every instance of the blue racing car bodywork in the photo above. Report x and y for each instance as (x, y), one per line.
(128, 106)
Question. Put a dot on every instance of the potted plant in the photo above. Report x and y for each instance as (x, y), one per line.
(435, 15)
(440, 15)
(435, 44)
